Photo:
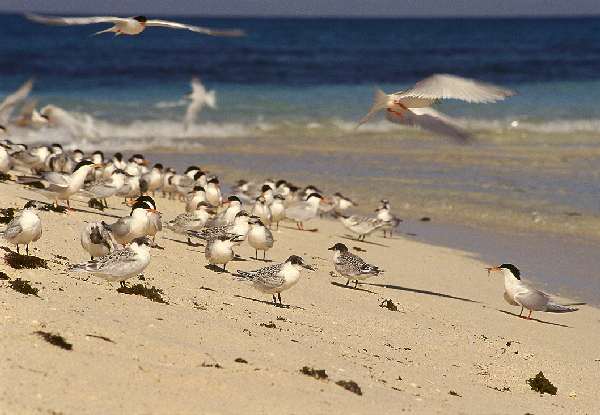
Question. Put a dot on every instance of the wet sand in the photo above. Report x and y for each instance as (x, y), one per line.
(452, 346)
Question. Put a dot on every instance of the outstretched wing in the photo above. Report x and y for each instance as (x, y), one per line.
(430, 120)
(197, 29)
(69, 21)
(9, 103)
(445, 86)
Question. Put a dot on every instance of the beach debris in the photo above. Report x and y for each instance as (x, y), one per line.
(318, 374)
(51, 208)
(55, 339)
(269, 325)
(215, 365)
(96, 204)
(573, 394)
(350, 385)
(359, 249)
(23, 286)
(540, 384)
(389, 304)
(6, 215)
(18, 261)
(151, 293)
(96, 336)
(503, 389)
(240, 360)
(454, 393)
(4, 177)
(425, 219)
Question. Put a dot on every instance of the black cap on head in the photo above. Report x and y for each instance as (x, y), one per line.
(295, 260)
(189, 169)
(198, 189)
(56, 145)
(234, 198)
(314, 195)
(158, 166)
(199, 174)
(147, 199)
(241, 213)
(139, 205)
(338, 247)
(280, 183)
(3, 128)
(81, 164)
(98, 152)
(515, 271)
(77, 151)
(141, 19)
(203, 204)
(214, 180)
(118, 156)
(265, 188)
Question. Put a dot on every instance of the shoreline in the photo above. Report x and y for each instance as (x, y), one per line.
(452, 346)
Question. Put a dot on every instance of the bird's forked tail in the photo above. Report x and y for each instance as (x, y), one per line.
(558, 308)
(380, 101)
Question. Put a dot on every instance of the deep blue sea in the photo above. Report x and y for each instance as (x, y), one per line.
(307, 71)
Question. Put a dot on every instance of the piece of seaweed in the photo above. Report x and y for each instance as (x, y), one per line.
(314, 373)
(151, 293)
(23, 286)
(18, 261)
(540, 384)
(55, 339)
(350, 385)
(389, 304)
(6, 215)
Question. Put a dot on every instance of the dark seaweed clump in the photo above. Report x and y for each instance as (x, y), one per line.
(55, 339)
(4, 276)
(314, 373)
(350, 385)
(49, 207)
(269, 325)
(389, 304)
(96, 204)
(454, 393)
(24, 287)
(4, 177)
(18, 261)
(540, 384)
(6, 215)
(151, 293)
(240, 360)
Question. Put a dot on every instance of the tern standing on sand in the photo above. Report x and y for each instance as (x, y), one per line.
(25, 227)
(412, 107)
(129, 25)
(276, 278)
(351, 266)
(120, 264)
(518, 292)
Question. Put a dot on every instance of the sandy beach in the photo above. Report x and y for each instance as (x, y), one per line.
(453, 345)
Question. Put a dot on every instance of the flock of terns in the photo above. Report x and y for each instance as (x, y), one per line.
(121, 250)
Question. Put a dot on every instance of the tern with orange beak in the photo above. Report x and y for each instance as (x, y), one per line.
(129, 25)
(412, 107)
(520, 293)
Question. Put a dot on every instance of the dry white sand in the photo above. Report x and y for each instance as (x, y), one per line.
(452, 332)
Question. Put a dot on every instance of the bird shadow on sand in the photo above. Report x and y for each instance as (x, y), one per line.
(426, 292)
(535, 319)
(216, 268)
(296, 229)
(351, 287)
(73, 209)
(179, 241)
(350, 238)
(271, 303)
(261, 260)
(238, 258)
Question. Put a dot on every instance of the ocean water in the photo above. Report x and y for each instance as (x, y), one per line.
(289, 95)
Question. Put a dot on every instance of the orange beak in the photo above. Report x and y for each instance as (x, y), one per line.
(152, 210)
(98, 165)
(492, 269)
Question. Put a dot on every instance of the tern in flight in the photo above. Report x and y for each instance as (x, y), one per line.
(129, 25)
(412, 107)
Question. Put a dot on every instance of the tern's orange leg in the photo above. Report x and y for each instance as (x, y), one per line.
(529, 316)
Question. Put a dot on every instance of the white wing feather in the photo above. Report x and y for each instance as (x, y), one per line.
(197, 29)
(444, 86)
(7, 106)
(68, 21)
(430, 120)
